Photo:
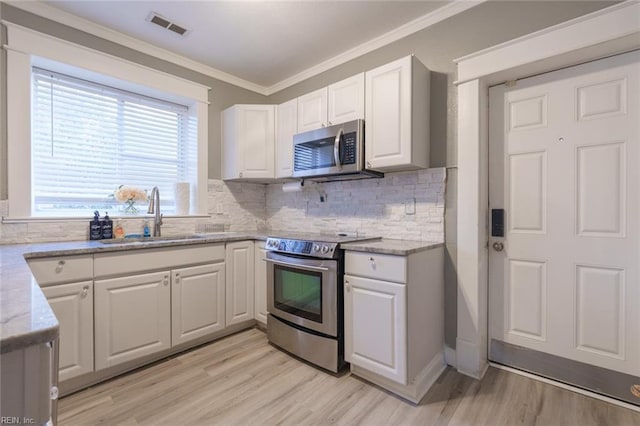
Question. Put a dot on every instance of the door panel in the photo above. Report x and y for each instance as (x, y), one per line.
(563, 163)
(197, 302)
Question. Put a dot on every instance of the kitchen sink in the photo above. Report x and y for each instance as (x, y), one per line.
(151, 239)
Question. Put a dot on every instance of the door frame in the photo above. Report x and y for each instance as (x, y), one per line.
(609, 31)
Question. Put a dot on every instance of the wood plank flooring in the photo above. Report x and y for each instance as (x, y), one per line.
(242, 380)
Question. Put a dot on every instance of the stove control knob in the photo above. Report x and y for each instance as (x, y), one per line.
(325, 249)
(316, 247)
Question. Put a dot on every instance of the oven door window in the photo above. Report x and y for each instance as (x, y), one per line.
(298, 292)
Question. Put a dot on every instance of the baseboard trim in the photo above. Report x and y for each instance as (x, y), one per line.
(470, 359)
(450, 356)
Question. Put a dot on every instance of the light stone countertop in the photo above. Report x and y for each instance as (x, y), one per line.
(393, 247)
(27, 319)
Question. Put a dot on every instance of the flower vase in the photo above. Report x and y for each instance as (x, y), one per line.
(130, 208)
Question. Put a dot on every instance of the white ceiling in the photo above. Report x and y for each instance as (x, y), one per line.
(262, 42)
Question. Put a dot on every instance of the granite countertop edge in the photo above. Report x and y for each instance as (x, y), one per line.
(392, 247)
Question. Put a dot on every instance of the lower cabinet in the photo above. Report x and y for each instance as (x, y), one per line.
(132, 317)
(197, 302)
(376, 326)
(73, 306)
(260, 280)
(239, 261)
(394, 319)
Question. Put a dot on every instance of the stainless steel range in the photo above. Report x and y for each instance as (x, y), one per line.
(305, 298)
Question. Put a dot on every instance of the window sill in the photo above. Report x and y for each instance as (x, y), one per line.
(87, 218)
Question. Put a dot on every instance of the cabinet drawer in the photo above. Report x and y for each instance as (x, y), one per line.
(377, 266)
(133, 261)
(55, 270)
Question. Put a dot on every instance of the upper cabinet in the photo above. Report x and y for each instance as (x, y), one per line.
(286, 128)
(312, 110)
(338, 103)
(248, 142)
(397, 116)
(346, 100)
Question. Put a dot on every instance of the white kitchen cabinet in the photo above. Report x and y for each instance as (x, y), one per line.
(197, 302)
(27, 385)
(397, 116)
(394, 319)
(73, 306)
(338, 103)
(346, 100)
(132, 317)
(312, 110)
(240, 266)
(248, 142)
(260, 300)
(376, 326)
(286, 128)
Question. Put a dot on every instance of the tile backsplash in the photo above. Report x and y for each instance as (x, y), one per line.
(405, 205)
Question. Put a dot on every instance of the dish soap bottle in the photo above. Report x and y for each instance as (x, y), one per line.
(95, 228)
(107, 227)
(146, 232)
(118, 231)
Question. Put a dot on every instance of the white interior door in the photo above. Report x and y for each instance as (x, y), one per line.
(564, 161)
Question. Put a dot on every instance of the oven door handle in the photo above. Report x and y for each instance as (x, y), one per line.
(336, 149)
(294, 265)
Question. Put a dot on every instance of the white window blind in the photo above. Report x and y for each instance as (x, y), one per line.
(88, 139)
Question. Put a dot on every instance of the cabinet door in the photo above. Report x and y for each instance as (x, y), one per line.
(197, 302)
(376, 327)
(388, 115)
(240, 282)
(73, 306)
(257, 139)
(312, 110)
(260, 299)
(132, 317)
(286, 127)
(346, 100)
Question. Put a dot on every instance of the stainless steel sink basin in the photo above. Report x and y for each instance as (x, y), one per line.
(151, 239)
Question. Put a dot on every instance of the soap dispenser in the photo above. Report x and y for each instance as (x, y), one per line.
(95, 228)
(146, 232)
(107, 227)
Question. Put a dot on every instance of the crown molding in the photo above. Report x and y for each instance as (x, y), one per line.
(90, 27)
(453, 8)
(49, 12)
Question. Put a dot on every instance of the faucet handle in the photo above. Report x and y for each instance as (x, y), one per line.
(160, 220)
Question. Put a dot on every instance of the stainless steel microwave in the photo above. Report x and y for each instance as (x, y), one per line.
(331, 153)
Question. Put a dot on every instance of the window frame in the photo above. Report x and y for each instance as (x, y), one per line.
(27, 48)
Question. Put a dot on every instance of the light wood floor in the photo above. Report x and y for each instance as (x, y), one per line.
(242, 380)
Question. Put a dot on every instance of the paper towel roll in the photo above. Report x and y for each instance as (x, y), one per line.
(292, 187)
(182, 197)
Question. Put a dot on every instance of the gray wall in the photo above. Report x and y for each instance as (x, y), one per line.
(483, 26)
(221, 95)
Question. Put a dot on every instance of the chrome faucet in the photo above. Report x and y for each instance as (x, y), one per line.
(154, 209)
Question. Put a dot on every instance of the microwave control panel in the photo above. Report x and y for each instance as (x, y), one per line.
(349, 147)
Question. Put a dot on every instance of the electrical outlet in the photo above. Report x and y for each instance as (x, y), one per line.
(410, 206)
(219, 209)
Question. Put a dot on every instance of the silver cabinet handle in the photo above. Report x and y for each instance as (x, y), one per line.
(368, 164)
(165, 281)
(347, 286)
(61, 263)
(498, 246)
(177, 278)
(85, 291)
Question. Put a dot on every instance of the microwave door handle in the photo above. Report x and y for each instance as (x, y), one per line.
(336, 149)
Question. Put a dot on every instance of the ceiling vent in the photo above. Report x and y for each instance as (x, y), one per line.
(160, 20)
